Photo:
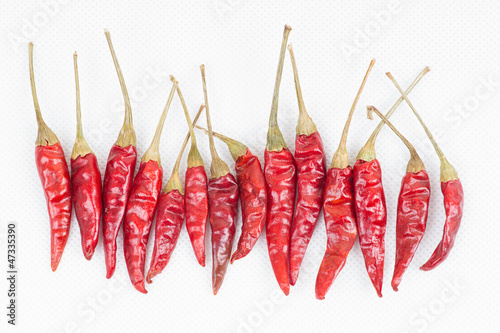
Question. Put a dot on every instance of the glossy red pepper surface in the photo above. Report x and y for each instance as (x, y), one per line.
(196, 184)
(371, 215)
(253, 198)
(223, 203)
(87, 200)
(310, 162)
(54, 175)
(118, 180)
(413, 208)
(281, 178)
(169, 219)
(138, 219)
(340, 221)
(453, 194)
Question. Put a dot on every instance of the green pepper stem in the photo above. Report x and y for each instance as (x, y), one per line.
(45, 135)
(81, 147)
(448, 172)
(153, 151)
(236, 148)
(340, 159)
(275, 140)
(305, 125)
(127, 133)
(367, 153)
(415, 164)
(218, 168)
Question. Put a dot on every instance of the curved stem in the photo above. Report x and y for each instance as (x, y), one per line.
(39, 117)
(448, 172)
(153, 151)
(218, 167)
(415, 164)
(236, 148)
(305, 124)
(127, 134)
(340, 159)
(45, 135)
(275, 141)
(367, 153)
(403, 95)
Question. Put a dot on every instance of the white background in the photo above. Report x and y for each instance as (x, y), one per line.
(239, 42)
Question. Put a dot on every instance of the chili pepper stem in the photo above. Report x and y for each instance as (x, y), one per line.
(194, 157)
(447, 171)
(415, 164)
(174, 183)
(367, 153)
(81, 147)
(305, 125)
(236, 148)
(218, 168)
(275, 140)
(153, 152)
(45, 135)
(127, 133)
(340, 159)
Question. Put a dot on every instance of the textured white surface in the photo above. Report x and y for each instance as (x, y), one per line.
(239, 41)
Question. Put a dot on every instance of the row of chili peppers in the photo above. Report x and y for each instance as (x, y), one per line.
(286, 197)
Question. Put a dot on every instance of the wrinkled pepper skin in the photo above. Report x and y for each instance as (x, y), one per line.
(281, 179)
(340, 221)
(311, 172)
(371, 215)
(223, 203)
(54, 175)
(169, 219)
(87, 200)
(413, 209)
(196, 184)
(253, 198)
(453, 194)
(118, 180)
(138, 219)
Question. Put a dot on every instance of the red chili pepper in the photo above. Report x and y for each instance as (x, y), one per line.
(338, 209)
(253, 195)
(85, 182)
(196, 185)
(142, 204)
(54, 175)
(170, 215)
(370, 203)
(119, 175)
(453, 194)
(281, 177)
(413, 208)
(311, 171)
(223, 203)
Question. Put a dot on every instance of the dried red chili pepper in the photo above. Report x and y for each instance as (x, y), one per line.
(370, 206)
(253, 195)
(85, 183)
(311, 171)
(338, 209)
(54, 175)
(413, 207)
(141, 205)
(196, 198)
(453, 195)
(223, 203)
(281, 177)
(170, 211)
(119, 175)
